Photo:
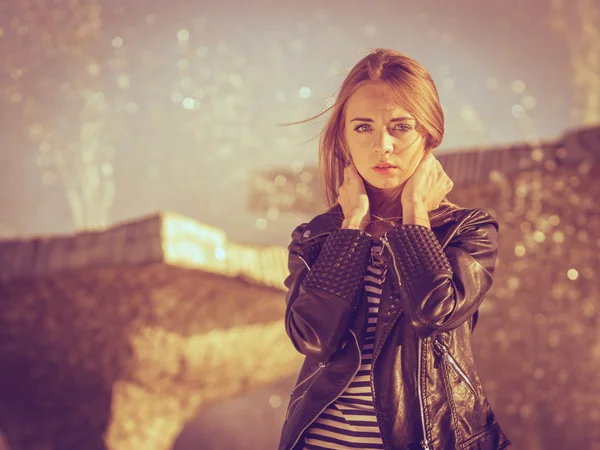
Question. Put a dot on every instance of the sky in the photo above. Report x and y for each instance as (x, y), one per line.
(175, 105)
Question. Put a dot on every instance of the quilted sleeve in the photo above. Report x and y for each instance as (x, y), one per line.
(444, 287)
(321, 297)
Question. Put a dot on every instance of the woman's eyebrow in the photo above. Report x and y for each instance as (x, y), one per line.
(395, 119)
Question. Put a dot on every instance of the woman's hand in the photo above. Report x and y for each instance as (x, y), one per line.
(427, 186)
(352, 197)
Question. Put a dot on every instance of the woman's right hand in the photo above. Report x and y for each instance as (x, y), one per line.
(353, 198)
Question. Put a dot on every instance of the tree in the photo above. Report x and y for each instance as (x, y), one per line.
(53, 86)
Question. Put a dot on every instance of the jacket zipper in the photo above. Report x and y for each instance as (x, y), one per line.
(321, 366)
(303, 260)
(375, 356)
(450, 359)
(372, 377)
(425, 442)
(312, 374)
(337, 396)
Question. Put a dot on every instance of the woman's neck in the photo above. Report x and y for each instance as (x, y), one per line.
(379, 203)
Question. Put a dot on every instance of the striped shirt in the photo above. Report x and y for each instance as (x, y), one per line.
(350, 421)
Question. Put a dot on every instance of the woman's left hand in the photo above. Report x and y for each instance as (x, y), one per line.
(428, 184)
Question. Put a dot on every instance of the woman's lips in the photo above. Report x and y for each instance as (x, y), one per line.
(384, 170)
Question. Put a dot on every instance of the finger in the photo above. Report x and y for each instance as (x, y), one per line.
(348, 171)
(345, 174)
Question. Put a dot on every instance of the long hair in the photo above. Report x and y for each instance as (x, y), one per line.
(410, 85)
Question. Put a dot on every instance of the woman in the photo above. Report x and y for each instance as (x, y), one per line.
(384, 287)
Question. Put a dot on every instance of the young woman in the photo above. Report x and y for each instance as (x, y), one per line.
(384, 287)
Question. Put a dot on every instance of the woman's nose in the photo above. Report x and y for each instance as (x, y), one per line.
(384, 141)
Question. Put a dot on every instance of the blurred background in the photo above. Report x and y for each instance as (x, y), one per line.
(147, 195)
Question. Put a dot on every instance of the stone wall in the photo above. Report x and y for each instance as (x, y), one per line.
(164, 237)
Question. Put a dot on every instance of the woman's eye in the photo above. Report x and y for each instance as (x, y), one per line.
(400, 127)
(363, 127)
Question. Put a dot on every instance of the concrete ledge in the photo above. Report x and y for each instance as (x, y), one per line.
(163, 237)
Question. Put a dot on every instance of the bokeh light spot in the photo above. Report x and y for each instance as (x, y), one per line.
(573, 274)
(304, 92)
(117, 42)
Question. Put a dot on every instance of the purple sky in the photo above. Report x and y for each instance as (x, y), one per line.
(246, 66)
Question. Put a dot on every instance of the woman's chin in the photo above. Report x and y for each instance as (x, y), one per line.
(385, 183)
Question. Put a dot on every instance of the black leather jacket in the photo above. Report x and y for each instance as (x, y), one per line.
(426, 387)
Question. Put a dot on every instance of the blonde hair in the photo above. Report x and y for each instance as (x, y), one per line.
(409, 84)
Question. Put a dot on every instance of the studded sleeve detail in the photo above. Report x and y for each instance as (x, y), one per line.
(420, 251)
(341, 265)
(443, 286)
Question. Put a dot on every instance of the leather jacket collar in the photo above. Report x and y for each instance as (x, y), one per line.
(332, 219)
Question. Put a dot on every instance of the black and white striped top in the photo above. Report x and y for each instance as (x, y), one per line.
(350, 421)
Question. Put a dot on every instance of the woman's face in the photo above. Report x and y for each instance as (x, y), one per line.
(379, 131)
